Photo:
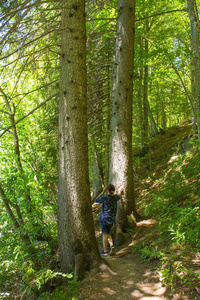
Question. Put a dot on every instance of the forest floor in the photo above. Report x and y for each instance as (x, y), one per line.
(130, 278)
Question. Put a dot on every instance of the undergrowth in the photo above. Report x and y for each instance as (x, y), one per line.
(173, 200)
(31, 273)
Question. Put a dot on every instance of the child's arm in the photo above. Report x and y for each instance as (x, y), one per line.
(104, 189)
(96, 203)
(120, 191)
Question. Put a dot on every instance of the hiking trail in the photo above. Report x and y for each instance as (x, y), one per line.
(129, 278)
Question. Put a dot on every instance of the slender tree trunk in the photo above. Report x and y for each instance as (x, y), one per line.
(145, 101)
(194, 24)
(185, 90)
(193, 88)
(163, 115)
(140, 93)
(154, 128)
(121, 165)
(76, 234)
(96, 180)
(16, 222)
(8, 209)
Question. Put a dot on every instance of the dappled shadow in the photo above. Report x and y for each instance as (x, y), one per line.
(131, 279)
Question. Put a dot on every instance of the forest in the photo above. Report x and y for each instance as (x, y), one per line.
(94, 92)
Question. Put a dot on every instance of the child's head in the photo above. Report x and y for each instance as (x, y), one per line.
(111, 188)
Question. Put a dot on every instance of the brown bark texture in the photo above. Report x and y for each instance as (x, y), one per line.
(121, 165)
(194, 24)
(75, 223)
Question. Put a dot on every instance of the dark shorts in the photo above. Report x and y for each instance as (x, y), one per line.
(105, 228)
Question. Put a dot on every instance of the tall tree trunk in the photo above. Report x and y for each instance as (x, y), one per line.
(76, 234)
(145, 101)
(121, 165)
(140, 93)
(163, 115)
(107, 146)
(194, 24)
(194, 125)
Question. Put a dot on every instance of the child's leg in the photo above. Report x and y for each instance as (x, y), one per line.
(105, 242)
(110, 240)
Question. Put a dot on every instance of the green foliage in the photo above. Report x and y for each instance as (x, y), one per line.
(176, 202)
(36, 280)
(30, 74)
(19, 264)
(174, 271)
(67, 293)
(148, 252)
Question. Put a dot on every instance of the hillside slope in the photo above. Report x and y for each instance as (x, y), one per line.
(160, 259)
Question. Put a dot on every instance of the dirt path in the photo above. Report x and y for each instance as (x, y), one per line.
(130, 278)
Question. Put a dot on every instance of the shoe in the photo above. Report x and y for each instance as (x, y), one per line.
(104, 253)
(112, 251)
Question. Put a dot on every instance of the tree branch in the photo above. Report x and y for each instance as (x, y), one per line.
(31, 112)
(162, 13)
(15, 25)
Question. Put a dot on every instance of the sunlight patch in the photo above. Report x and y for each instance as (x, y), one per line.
(173, 158)
(109, 291)
(155, 289)
(137, 294)
(130, 282)
(152, 298)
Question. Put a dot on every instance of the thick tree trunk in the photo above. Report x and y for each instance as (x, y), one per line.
(76, 234)
(121, 165)
(107, 145)
(194, 23)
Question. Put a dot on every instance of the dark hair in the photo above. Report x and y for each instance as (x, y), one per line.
(111, 188)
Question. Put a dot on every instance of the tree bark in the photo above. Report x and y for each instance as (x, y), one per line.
(75, 223)
(107, 146)
(194, 24)
(121, 165)
(140, 92)
(145, 101)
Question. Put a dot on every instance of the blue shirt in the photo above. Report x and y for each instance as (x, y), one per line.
(109, 208)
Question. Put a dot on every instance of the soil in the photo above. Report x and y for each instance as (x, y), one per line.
(129, 278)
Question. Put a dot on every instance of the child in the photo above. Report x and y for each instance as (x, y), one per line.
(107, 216)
